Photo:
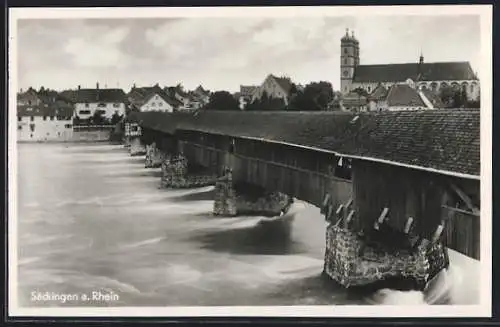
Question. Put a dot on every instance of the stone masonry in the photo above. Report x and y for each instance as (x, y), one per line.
(154, 156)
(175, 174)
(136, 147)
(230, 202)
(225, 196)
(349, 266)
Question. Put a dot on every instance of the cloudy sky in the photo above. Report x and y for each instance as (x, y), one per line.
(222, 53)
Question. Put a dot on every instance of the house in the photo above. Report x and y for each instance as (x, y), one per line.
(274, 87)
(402, 97)
(427, 76)
(201, 95)
(88, 101)
(152, 99)
(354, 101)
(178, 93)
(45, 119)
(245, 95)
(28, 98)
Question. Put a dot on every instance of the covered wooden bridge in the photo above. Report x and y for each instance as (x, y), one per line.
(420, 164)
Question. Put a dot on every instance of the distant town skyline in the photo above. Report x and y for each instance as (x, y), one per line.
(224, 53)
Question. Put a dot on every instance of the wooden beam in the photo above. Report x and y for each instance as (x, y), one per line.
(465, 198)
(348, 219)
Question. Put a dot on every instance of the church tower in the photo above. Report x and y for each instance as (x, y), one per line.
(349, 60)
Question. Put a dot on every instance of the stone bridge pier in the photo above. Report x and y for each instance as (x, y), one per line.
(379, 257)
(242, 198)
(137, 146)
(154, 156)
(177, 171)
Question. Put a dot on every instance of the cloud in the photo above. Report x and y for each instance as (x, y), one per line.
(222, 53)
(99, 50)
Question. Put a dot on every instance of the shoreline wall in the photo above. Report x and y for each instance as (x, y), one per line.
(75, 137)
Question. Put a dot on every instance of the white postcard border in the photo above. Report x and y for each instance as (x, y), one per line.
(481, 310)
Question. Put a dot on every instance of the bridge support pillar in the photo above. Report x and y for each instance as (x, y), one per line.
(232, 199)
(379, 258)
(177, 173)
(126, 141)
(137, 148)
(154, 156)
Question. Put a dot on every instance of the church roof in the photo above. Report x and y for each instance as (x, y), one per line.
(436, 71)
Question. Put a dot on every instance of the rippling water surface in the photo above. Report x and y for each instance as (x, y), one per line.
(92, 218)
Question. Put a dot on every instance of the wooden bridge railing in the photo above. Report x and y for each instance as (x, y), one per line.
(462, 231)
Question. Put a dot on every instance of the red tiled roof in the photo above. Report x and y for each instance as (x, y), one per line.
(58, 108)
(379, 93)
(401, 95)
(247, 90)
(95, 95)
(433, 98)
(284, 82)
(138, 96)
(436, 71)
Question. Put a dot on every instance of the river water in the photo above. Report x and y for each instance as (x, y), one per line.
(92, 218)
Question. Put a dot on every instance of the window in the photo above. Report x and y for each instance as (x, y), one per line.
(31, 135)
(32, 127)
(58, 133)
(153, 104)
(345, 50)
(68, 126)
(32, 118)
(116, 105)
(86, 105)
(19, 118)
(51, 117)
(19, 128)
(101, 105)
(345, 61)
(345, 73)
(472, 87)
(44, 117)
(156, 97)
(160, 104)
(29, 102)
(84, 112)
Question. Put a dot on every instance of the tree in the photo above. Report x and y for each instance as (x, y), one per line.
(76, 121)
(222, 100)
(453, 97)
(266, 103)
(115, 119)
(98, 118)
(316, 96)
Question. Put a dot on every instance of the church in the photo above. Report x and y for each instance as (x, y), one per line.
(423, 76)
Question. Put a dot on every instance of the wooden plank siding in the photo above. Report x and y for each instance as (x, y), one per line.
(462, 232)
(411, 193)
(300, 173)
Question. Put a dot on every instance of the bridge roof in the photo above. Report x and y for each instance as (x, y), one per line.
(442, 141)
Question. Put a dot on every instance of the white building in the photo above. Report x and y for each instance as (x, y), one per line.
(152, 99)
(88, 101)
(274, 87)
(45, 122)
